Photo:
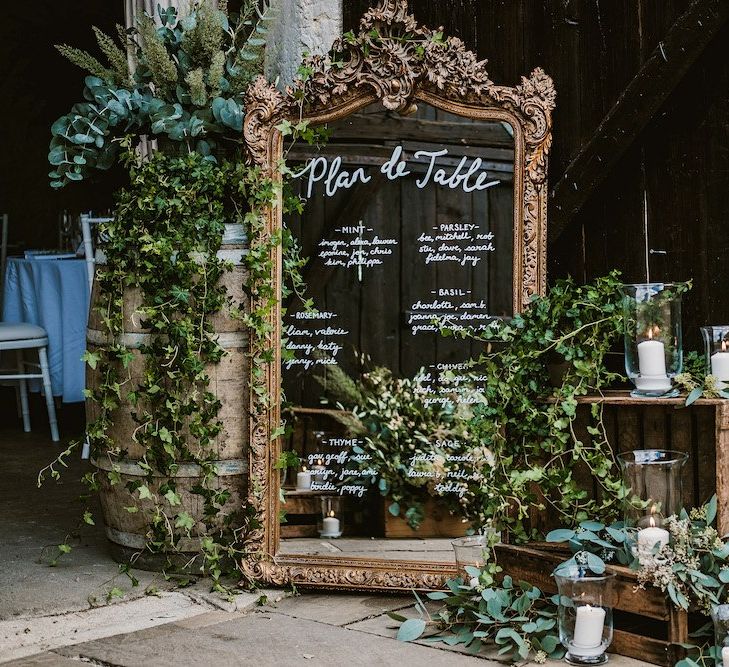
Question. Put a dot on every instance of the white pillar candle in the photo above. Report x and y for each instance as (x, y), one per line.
(303, 480)
(725, 656)
(330, 526)
(589, 624)
(720, 367)
(647, 540)
(652, 365)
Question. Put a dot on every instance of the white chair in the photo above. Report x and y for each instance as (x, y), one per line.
(21, 337)
(87, 220)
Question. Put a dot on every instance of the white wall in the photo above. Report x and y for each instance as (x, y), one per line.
(300, 26)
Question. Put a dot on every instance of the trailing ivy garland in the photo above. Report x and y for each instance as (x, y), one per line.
(163, 241)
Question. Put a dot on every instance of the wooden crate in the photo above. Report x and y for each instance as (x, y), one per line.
(437, 523)
(647, 625)
(303, 514)
(701, 431)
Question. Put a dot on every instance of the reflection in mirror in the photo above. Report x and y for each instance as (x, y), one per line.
(408, 226)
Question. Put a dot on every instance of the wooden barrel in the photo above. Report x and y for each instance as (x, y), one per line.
(228, 381)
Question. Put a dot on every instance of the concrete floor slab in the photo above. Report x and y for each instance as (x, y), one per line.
(26, 636)
(260, 639)
(34, 520)
(338, 609)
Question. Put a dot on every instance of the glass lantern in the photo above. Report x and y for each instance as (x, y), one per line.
(474, 551)
(585, 614)
(653, 339)
(331, 517)
(654, 479)
(716, 344)
(720, 616)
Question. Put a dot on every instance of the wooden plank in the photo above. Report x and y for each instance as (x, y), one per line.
(655, 434)
(640, 647)
(643, 96)
(417, 281)
(722, 467)
(383, 127)
(629, 431)
(681, 440)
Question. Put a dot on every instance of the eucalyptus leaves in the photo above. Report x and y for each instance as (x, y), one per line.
(693, 569)
(187, 86)
(515, 616)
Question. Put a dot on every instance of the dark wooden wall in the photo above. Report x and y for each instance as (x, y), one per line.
(592, 49)
(37, 85)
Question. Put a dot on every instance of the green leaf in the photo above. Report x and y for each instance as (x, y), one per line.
(115, 593)
(560, 535)
(694, 395)
(394, 509)
(711, 508)
(185, 521)
(89, 518)
(594, 526)
(595, 563)
(411, 629)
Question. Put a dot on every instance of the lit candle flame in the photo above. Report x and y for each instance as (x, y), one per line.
(723, 346)
(650, 333)
(331, 513)
(319, 462)
(303, 469)
(652, 522)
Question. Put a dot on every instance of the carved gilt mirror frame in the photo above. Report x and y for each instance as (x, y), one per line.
(398, 63)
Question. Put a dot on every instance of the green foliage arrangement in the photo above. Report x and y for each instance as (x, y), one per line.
(693, 568)
(530, 426)
(515, 435)
(696, 380)
(186, 86)
(517, 617)
(163, 240)
(415, 447)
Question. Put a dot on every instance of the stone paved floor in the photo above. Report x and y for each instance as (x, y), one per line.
(59, 616)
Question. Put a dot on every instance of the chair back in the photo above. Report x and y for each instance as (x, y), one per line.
(87, 220)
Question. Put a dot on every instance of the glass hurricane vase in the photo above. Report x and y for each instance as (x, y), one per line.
(585, 614)
(653, 338)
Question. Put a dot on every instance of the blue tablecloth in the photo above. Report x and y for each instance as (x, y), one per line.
(53, 294)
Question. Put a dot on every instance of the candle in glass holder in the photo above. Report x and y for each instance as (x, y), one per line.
(652, 365)
(648, 538)
(725, 656)
(589, 622)
(330, 526)
(720, 366)
(303, 480)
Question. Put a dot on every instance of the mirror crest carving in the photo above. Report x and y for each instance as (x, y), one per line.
(398, 63)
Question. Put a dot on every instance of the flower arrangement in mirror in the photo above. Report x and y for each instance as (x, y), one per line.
(185, 85)
(416, 448)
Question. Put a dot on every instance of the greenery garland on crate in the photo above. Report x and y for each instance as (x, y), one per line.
(693, 569)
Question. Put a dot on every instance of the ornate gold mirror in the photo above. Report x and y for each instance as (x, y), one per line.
(426, 207)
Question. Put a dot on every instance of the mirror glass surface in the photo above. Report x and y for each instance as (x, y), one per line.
(408, 225)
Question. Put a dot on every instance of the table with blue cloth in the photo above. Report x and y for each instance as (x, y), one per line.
(54, 294)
